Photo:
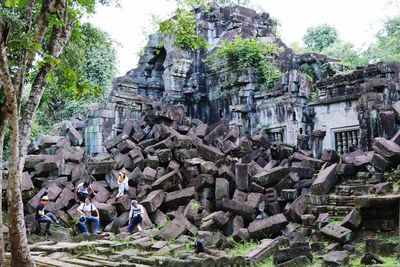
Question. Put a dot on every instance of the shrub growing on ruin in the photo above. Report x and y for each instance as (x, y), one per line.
(182, 26)
(242, 54)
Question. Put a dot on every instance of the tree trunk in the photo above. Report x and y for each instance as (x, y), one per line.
(21, 256)
(2, 128)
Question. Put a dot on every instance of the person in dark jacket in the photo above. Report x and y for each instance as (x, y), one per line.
(45, 217)
(135, 216)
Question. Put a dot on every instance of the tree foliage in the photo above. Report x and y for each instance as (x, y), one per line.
(182, 26)
(320, 37)
(82, 77)
(242, 54)
(33, 35)
(387, 44)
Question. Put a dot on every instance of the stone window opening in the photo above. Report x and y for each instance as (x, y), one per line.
(294, 116)
(346, 140)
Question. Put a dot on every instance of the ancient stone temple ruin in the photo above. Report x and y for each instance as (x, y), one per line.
(342, 112)
(309, 167)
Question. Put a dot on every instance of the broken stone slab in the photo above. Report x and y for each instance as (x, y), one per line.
(386, 148)
(297, 209)
(380, 163)
(210, 153)
(51, 164)
(112, 143)
(336, 258)
(287, 254)
(262, 251)
(74, 136)
(371, 259)
(202, 181)
(100, 167)
(214, 239)
(26, 182)
(158, 217)
(67, 198)
(337, 232)
(352, 220)
(287, 182)
(300, 261)
(180, 197)
(241, 177)
(172, 230)
(271, 176)
(289, 194)
(322, 220)
(153, 200)
(78, 172)
(267, 227)
(74, 154)
(238, 208)
(239, 196)
(325, 181)
(221, 188)
(382, 188)
(168, 181)
(107, 212)
(53, 191)
(219, 218)
(164, 155)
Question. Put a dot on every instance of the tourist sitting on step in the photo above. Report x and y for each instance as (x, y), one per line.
(135, 216)
(122, 184)
(83, 190)
(90, 214)
(45, 217)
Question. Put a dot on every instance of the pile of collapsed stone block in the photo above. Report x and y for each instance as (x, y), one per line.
(210, 182)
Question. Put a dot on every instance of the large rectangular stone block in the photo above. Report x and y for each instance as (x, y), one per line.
(271, 176)
(267, 227)
(325, 181)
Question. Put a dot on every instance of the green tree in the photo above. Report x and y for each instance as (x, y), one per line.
(319, 37)
(33, 35)
(82, 77)
(182, 26)
(345, 52)
(387, 44)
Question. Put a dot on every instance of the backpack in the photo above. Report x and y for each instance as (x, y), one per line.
(200, 246)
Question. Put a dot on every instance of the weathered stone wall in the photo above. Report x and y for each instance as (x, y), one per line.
(359, 102)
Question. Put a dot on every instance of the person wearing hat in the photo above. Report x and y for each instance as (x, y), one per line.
(122, 184)
(87, 209)
(43, 217)
(135, 216)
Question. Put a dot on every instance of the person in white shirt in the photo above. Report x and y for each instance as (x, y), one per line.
(135, 216)
(87, 209)
(82, 190)
(122, 184)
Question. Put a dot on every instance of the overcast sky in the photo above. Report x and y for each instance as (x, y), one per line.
(356, 21)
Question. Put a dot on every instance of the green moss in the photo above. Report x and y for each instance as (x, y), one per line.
(241, 249)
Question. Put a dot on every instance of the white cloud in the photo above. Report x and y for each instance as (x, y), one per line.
(356, 21)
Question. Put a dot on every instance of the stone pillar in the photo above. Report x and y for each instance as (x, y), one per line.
(317, 144)
(302, 142)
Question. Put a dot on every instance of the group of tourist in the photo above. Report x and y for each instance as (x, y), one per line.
(88, 211)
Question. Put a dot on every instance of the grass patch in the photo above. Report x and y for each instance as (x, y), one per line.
(265, 263)
(241, 249)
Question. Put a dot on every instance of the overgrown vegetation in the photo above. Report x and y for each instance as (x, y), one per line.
(182, 26)
(242, 54)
